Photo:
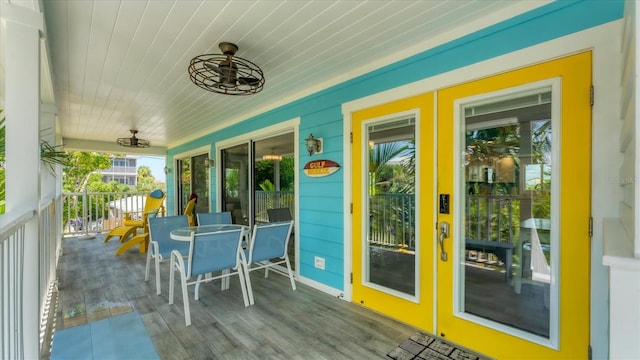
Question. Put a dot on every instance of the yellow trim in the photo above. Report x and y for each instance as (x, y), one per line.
(575, 189)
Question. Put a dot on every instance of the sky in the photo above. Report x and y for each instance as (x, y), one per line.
(156, 164)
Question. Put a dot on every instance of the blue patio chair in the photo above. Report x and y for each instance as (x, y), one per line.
(208, 253)
(279, 214)
(162, 244)
(214, 218)
(268, 244)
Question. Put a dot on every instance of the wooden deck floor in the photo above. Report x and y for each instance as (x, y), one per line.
(283, 324)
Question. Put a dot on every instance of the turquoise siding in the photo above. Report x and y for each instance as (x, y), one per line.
(321, 214)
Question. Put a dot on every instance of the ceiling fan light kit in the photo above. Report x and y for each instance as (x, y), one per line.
(225, 73)
(133, 141)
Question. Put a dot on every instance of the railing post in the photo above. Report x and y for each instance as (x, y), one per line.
(85, 219)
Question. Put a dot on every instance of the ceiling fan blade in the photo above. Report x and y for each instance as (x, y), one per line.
(210, 66)
(251, 81)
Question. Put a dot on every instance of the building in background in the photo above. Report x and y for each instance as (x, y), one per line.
(123, 170)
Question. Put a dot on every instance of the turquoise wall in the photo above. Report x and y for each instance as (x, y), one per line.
(320, 213)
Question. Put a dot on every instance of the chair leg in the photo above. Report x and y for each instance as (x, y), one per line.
(224, 280)
(197, 290)
(249, 287)
(185, 299)
(171, 280)
(178, 265)
(243, 285)
(148, 267)
(293, 283)
(157, 269)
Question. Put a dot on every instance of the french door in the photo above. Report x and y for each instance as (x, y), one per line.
(392, 173)
(501, 247)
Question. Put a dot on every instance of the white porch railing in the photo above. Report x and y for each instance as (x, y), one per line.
(392, 220)
(97, 212)
(18, 280)
(85, 213)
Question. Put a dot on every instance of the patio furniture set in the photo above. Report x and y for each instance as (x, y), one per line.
(214, 245)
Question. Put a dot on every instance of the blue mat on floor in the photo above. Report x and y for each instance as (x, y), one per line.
(119, 337)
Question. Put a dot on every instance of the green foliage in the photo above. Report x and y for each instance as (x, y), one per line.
(264, 171)
(381, 173)
(81, 166)
(52, 156)
(146, 182)
(267, 185)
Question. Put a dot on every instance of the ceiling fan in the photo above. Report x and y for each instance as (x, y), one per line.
(133, 141)
(226, 73)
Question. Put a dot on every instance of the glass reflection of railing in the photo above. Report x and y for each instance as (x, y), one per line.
(272, 200)
(392, 220)
(492, 218)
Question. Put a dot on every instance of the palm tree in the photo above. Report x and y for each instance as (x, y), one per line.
(379, 157)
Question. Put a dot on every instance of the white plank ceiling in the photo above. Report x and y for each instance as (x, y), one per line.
(120, 65)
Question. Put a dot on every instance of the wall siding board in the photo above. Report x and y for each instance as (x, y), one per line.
(321, 186)
(332, 234)
(327, 217)
(628, 124)
(627, 169)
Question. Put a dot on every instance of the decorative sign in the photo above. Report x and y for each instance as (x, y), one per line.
(319, 168)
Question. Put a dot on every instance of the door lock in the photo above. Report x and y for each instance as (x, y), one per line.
(444, 233)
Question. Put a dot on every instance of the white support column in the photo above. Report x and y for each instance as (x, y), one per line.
(48, 175)
(22, 103)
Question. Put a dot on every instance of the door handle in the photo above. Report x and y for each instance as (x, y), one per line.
(444, 233)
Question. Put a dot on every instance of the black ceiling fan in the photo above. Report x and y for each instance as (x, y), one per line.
(226, 73)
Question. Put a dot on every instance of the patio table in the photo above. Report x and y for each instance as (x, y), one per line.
(184, 234)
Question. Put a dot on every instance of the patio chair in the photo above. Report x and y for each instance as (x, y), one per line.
(208, 253)
(161, 244)
(189, 211)
(152, 207)
(279, 214)
(214, 218)
(269, 242)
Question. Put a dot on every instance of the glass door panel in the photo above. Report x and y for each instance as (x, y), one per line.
(236, 172)
(391, 192)
(274, 183)
(193, 177)
(200, 182)
(183, 178)
(507, 211)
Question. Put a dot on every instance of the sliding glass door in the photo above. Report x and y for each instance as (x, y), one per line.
(193, 178)
(256, 176)
(236, 177)
(257, 181)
